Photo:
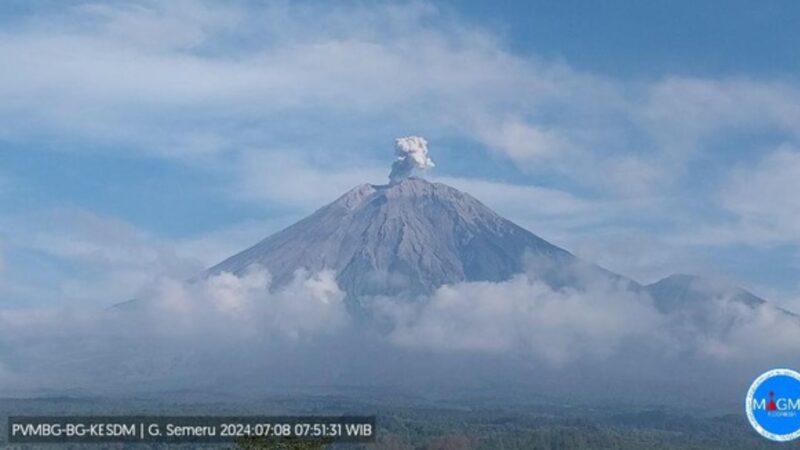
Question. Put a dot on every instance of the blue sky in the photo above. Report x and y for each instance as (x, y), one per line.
(634, 39)
(149, 139)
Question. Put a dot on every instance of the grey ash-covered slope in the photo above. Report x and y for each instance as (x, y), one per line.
(408, 237)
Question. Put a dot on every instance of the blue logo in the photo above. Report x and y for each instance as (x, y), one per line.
(773, 405)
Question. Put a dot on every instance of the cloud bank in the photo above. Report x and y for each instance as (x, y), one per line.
(526, 316)
(238, 328)
(309, 305)
(173, 330)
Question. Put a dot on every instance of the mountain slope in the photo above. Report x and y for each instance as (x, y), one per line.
(711, 307)
(681, 291)
(409, 237)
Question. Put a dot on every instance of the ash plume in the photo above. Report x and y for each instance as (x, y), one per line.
(412, 153)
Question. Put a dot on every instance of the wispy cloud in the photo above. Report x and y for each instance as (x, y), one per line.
(166, 79)
(169, 80)
(70, 256)
(693, 109)
(286, 179)
(763, 200)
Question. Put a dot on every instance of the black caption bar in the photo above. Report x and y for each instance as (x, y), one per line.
(161, 429)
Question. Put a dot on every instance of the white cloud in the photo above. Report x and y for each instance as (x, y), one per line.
(752, 334)
(177, 331)
(246, 305)
(70, 256)
(178, 25)
(99, 260)
(167, 79)
(284, 179)
(764, 201)
(186, 333)
(526, 316)
(694, 108)
(600, 323)
(135, 73)
(527, 144)
(148, 77)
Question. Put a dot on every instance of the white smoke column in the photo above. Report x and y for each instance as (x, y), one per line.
(412, 153)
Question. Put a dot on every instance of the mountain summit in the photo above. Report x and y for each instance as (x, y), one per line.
(407, 237)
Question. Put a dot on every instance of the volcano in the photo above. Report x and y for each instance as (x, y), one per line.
(409, 237)
(417, 261)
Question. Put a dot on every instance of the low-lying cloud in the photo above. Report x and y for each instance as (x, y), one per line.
(191, 334)
(525, 315)
(311, 304)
